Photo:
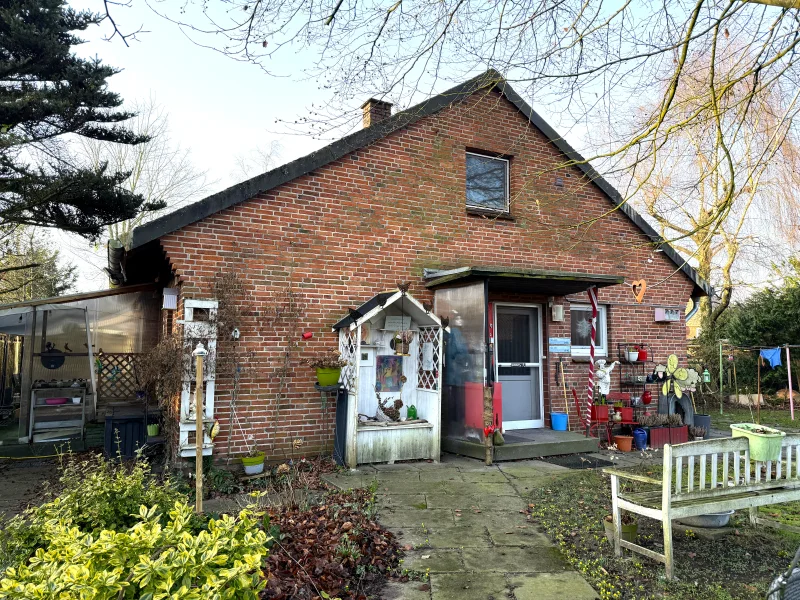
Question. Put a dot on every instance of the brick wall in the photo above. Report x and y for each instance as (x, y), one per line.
(378, 216)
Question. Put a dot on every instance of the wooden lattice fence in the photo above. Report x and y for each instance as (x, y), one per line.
(116, 379)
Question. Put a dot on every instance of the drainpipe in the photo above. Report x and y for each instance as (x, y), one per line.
(695, 298)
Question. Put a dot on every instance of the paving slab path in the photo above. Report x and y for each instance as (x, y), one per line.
(463, 523)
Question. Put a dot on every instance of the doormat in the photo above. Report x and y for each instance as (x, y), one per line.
(576, 461)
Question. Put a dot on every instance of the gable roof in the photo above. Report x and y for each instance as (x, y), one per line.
(490, 80)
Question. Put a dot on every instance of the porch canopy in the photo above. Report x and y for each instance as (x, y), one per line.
(464, 295)
(14, 321)
(524, 281)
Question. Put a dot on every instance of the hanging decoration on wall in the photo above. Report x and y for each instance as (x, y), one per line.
(639, 287)
(401, 341)
(388, 373)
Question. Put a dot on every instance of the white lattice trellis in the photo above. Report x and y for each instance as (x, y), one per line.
(348, 347)
(428, 379)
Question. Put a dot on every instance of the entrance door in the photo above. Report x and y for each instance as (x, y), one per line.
(518, 359)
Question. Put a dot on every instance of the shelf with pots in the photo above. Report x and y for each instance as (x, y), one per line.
(636, 364)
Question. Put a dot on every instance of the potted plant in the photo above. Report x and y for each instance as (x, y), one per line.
(632, 353)
(765, 442)
(253, 461)
(329, 367)
(697, 433)
(678, 432)
(600, 410)
(626, 413)
(659, 433)
(630, 527)
(704, 422)
(402, 342)
(646, 422)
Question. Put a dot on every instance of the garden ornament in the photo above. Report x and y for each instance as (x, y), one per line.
(639, 287)
(676, 378)
(602, 375)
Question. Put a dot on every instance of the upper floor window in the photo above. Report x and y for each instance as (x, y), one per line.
(487, 182)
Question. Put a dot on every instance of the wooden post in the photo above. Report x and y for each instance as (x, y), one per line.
(721, 393)
(199, 353)
(488, 419)
(758, 391)
(666, 516)
(789, 373)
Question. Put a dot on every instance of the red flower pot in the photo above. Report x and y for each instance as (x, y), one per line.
(600, 413)
(627, 414)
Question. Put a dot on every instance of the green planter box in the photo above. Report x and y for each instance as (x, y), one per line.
(629, 531)
(326, 377)
(765, 442)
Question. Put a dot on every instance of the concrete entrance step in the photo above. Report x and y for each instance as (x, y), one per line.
(525, 443)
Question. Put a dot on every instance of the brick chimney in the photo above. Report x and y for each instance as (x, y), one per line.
(375, 111)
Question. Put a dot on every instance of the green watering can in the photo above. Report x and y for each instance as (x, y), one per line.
(411, 413)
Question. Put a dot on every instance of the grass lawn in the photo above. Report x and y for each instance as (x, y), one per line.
(736, 566)
(772, 417)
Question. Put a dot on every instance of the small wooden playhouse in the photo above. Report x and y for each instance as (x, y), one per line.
(393, 347)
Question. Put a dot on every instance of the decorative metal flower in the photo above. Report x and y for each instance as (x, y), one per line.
(676, 378)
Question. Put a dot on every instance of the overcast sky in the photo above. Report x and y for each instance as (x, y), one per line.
(218, 107)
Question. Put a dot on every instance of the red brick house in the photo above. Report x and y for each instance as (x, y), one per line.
(466, 197)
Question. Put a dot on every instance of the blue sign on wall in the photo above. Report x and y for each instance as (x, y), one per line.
(559, 345)
(560, 350)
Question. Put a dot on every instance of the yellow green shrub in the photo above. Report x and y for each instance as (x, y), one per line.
(95, 494)
(151, 560)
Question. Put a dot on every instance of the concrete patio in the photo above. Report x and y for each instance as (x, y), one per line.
(461, 522)
(525, 443)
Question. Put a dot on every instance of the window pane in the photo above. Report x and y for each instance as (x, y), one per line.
(513, 342)
(486, 182)
(581, 327)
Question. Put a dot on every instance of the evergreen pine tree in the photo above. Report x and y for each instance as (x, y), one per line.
(47, 95)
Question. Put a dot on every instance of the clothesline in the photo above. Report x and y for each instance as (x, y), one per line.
(772, 355)
(733, 347)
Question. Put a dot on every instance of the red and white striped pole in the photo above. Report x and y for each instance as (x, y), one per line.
(592, 292)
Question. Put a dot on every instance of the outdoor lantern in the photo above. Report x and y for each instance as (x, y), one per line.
(706, 376)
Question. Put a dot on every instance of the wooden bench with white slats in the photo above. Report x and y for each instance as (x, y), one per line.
(706, 477)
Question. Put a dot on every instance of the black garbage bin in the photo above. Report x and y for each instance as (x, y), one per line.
(124, 435)
(340, 434)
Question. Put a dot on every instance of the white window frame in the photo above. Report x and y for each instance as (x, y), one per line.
(508, 185)
(602, 325)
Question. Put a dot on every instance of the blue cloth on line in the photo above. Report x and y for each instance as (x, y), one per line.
(772, 356)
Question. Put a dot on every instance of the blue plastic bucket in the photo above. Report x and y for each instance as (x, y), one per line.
(559, 421)
(640, 438)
